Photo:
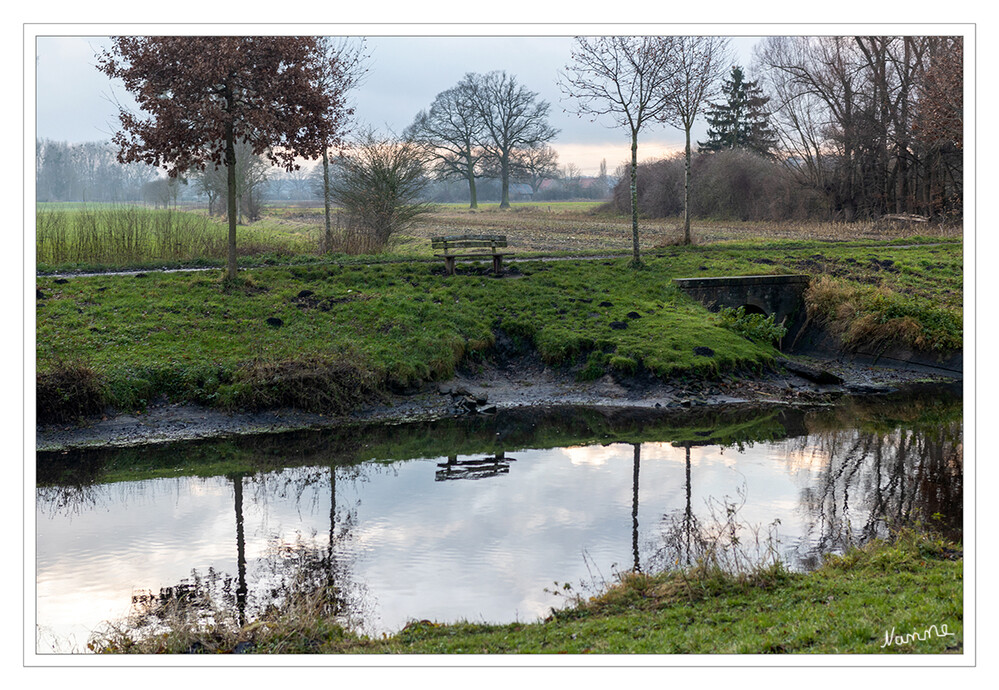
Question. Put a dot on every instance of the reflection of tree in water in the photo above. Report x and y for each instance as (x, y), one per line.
(719, 540)
(861, 484)
(871, 481)
(69, 499)
(302, 574)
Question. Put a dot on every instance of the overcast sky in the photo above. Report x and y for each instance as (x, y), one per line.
(75, 102)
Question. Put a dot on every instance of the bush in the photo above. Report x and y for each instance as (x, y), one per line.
(660, 189)
(379, 184)
(728, 185)
(755, 327)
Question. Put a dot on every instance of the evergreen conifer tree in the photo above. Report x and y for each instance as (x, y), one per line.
(741, 122)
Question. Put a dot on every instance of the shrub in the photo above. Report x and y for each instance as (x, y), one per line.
(379, 184)
(729, 185)
(756, 327)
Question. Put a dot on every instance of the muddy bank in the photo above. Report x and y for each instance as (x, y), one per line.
(488, 388)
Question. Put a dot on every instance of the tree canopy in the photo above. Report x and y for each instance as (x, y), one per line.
(200, 94)
(513, 118)
(449, 132)
(741, 121)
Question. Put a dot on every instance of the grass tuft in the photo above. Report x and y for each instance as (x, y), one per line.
(314, 385)
(68, 392)
(880, 317)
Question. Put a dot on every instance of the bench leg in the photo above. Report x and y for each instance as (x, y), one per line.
(449, 265)
(497, 264)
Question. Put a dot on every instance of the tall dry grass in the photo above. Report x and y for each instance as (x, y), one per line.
(124, 234)
(347, 236)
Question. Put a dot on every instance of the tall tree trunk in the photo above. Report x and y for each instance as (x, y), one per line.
(328, 242)
(230, 164)
(637, 260)
(505, 181)
(471, 189)
(686, 190)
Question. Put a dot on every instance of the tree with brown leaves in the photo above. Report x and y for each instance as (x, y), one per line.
(202, 94)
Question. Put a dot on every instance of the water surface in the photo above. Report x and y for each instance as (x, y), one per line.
(479, 519)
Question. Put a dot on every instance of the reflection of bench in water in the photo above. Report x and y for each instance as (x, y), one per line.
(473, 469)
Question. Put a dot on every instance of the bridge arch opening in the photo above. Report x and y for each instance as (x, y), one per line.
(753, 309)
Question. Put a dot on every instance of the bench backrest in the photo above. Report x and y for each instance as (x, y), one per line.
(467, 241)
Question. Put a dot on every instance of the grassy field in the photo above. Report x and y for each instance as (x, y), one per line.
(360, 328)
(854, 604)
(352, 329)
(95, 236)
(302, 324)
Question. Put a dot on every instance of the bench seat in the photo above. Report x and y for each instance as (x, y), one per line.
(476, 243)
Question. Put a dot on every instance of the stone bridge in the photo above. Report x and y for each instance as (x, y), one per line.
(780, 296)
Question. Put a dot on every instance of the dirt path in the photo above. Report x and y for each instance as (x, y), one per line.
(508, 258)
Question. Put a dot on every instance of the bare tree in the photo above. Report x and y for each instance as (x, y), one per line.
(572, 180)
(251, 173)
(624, 78)
(602, 178)
(340, 69)
(798, 111)
(163, 191)
(212, 183)
(847, 111)
(449, 132)
(535, 165)
(699, 62)
(512, 118)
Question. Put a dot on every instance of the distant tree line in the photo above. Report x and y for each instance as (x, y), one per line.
(837, 127)
(87, 172)
(563, 183)
(91, 172)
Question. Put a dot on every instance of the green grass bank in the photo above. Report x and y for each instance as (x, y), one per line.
(903, 596)
(329, 336)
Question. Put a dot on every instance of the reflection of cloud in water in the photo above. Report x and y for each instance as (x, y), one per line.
(482, 549)
(809, 460)
(593, 455)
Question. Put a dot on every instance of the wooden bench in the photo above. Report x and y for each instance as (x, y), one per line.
(449, 243)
